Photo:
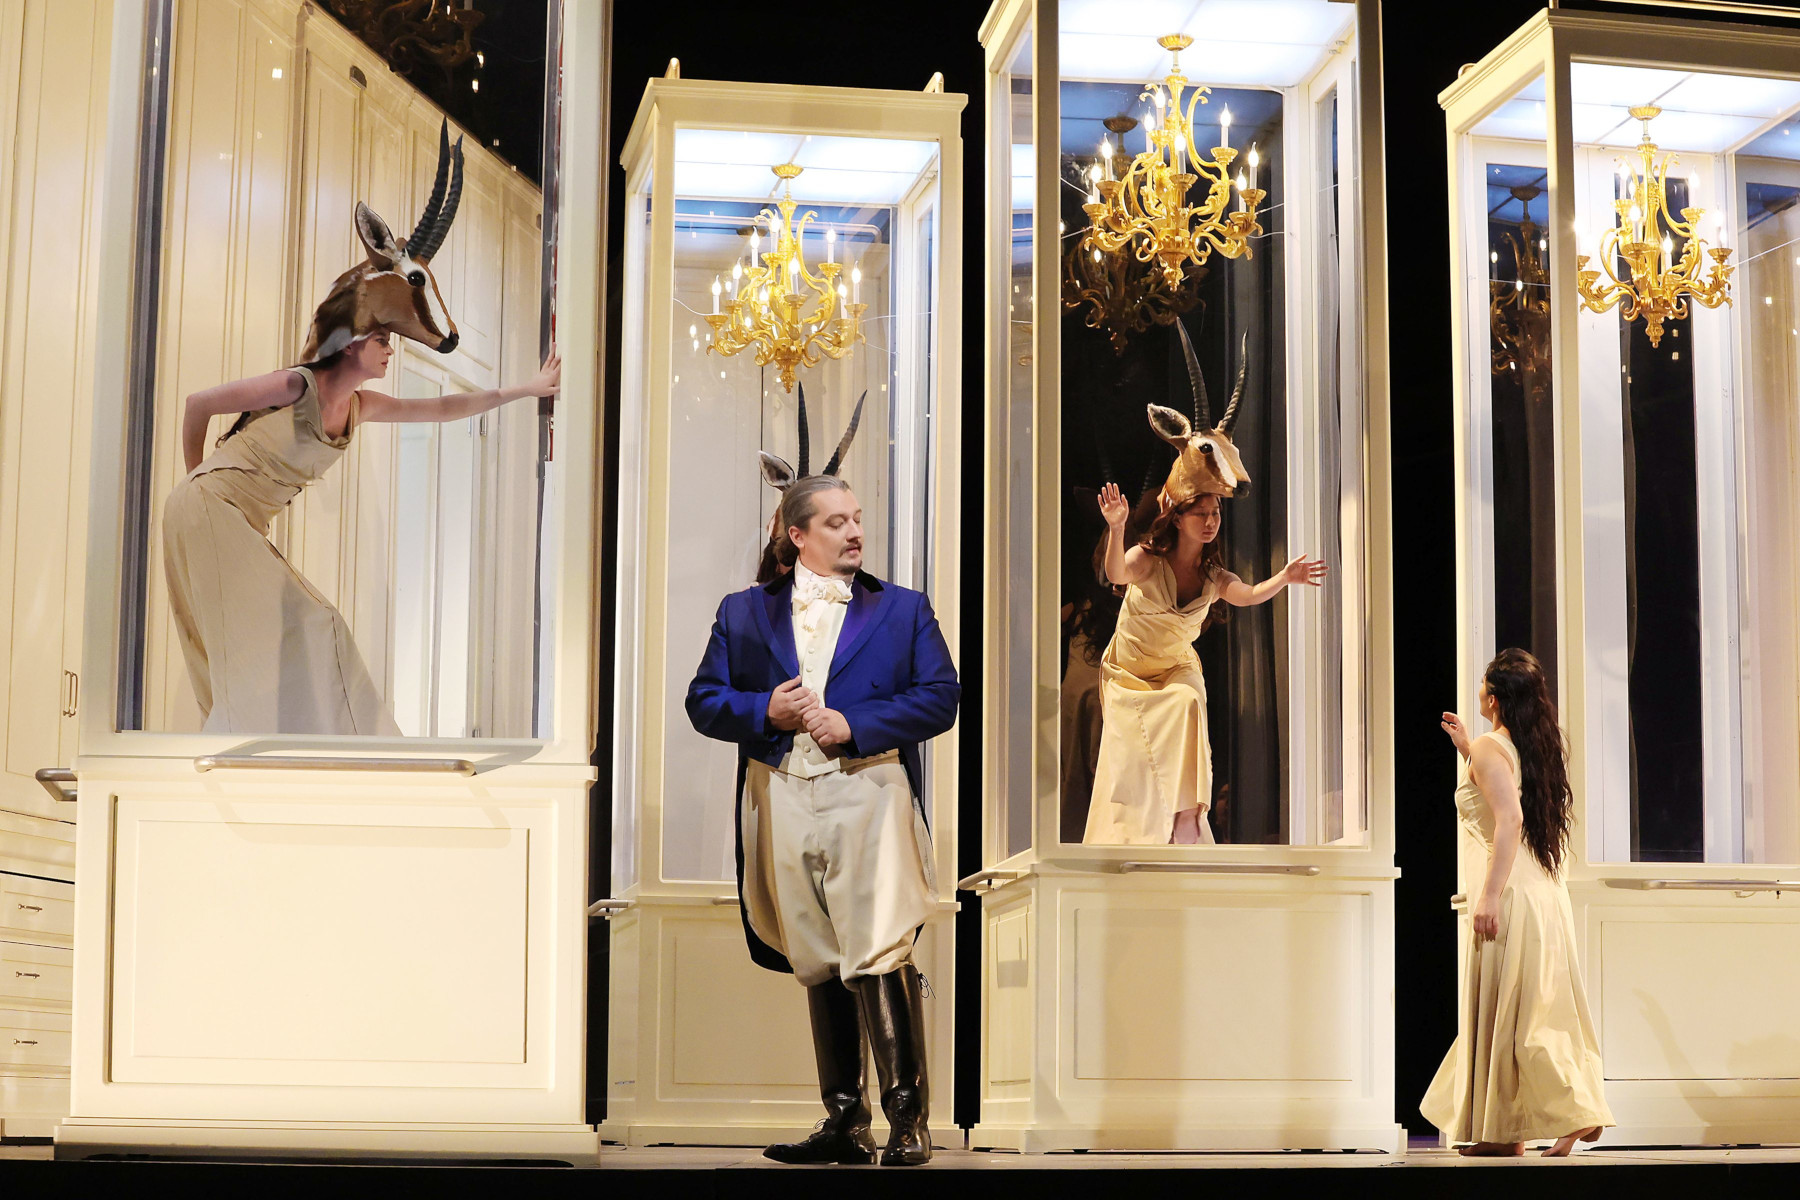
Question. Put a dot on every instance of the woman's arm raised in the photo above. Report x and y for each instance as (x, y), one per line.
(379, 407)
(1123, 566)
(277, 389)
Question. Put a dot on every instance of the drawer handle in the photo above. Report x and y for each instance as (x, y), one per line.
(31, 908)
(23, 1042)
(26, 975)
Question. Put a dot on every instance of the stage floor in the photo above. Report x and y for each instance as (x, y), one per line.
(663, 1171)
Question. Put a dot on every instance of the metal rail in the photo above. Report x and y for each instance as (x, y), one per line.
(53, 778)
(1183, 868)
(296, 762)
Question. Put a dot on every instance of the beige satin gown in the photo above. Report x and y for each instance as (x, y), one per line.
(1155, 760)
(1526, 1063)
(265, 651)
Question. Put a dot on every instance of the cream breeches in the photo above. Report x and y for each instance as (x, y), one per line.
(837, 868)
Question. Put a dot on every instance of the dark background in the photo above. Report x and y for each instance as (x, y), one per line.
(899, 46)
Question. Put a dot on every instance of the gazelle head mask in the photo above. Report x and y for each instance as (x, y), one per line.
(1207, 463)
(781, 476)
(394, 289)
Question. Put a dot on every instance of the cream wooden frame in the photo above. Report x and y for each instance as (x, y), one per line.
(1005, 22)
(1043, 1086)
(579, 288)
(1667, 1006)
(752, 1091)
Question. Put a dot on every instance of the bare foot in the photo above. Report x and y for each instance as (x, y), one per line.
(1567, 1141)
(1493, 1150)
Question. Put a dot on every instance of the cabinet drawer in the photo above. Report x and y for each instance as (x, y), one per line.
(36, 910)
(34, 1041)
(37, 973)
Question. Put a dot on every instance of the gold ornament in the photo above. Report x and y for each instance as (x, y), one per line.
(764, 311)
(1146, 213)
(1657, 285)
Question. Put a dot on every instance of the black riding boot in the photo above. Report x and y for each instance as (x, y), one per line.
(843, 1136)
(894, 1017)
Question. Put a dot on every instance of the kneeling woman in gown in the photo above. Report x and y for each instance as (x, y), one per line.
(1153, 783)
(1526, 1064)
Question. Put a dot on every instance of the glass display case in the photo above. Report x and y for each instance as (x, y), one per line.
(1625, 339)
(1187, 304)
(868, 185)
(336, 602)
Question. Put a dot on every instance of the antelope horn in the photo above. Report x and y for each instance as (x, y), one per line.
(1196, 381)
(1237, 389)
(843, 446)
(421, 234)
(440, 227)
(805, 439)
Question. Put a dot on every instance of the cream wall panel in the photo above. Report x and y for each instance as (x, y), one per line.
(1674, 1002)
(704, 1051)
(1177, 972)
(1008, 997)
(478, 252)
(52, 126)
(513, 444)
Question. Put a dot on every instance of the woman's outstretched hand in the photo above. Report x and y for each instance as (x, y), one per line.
(1113, 506)
(1308, 571)
(1459, 733)
(548, 380)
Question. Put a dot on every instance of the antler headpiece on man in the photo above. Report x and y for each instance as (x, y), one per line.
(393, 289)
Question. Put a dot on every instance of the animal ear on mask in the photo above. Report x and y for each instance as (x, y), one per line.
(1169, 425)
(775, 470)
(376, 238)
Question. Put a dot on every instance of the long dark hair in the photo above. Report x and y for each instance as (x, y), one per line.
(1522, 694)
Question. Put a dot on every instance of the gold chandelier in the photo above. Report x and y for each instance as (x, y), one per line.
(765, 308)
(1657, 284)
(1147, 211)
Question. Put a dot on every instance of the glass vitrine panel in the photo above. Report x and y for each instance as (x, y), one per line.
(322, 560)
(1279, 706)
(876, 199)
(1014, 106)
(1687, 505)
(1513, 410)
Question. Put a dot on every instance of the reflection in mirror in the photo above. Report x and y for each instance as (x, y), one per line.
(1524, 434)
(343, 453)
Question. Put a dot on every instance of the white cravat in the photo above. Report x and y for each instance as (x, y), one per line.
(820, 603)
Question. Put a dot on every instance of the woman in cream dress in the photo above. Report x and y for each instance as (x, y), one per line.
(265, 651)
(1153, 783)
(1526, 1064)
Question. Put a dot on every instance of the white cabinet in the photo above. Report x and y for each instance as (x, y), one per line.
(1239, 994)
(367, 946)
(1625, 512)
(882, 171)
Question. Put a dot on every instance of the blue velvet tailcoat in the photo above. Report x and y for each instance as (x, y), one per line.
(891, 677)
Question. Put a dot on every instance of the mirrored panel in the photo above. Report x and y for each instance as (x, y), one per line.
(1211, 426)
(864, 213)
(344, 449)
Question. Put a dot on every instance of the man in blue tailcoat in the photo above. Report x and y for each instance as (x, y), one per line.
(828, 679)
